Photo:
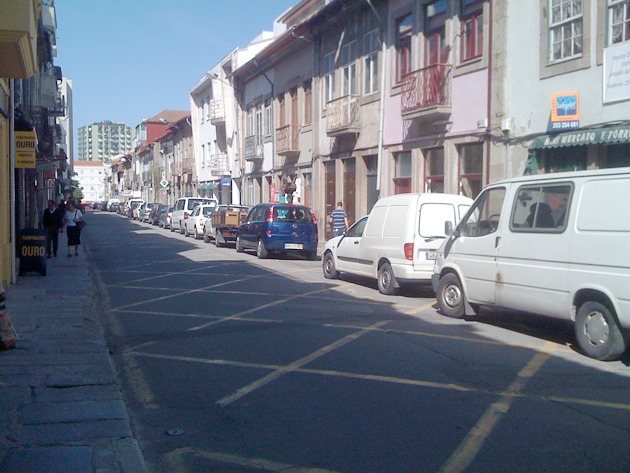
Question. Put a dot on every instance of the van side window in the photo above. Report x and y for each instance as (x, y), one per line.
(540, 208)
(484, 216)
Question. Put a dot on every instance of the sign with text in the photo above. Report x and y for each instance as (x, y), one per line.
(25, 156)
(565, 111)
(616, 80)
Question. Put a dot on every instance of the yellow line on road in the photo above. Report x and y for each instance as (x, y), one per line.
(474, 441)
(295, 365)
(175, 462)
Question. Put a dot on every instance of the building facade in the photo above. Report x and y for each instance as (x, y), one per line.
(91, 177)
(103, 140)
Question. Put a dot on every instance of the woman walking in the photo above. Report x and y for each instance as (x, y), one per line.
(73, 215)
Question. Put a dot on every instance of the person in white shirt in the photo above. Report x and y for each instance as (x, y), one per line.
(73, 215)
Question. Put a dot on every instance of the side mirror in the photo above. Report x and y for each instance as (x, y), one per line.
(448, 228)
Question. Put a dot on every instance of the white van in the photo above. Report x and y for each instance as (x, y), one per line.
(556, 245)
(397, 242)
(183, 208)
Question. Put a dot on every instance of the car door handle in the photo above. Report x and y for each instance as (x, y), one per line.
(497, 242)
(356, 242)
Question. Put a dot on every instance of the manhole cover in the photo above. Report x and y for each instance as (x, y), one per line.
(175, 432)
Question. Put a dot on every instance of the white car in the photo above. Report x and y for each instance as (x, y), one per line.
(195, 224)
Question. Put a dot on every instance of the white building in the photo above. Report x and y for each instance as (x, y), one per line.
(91, 176)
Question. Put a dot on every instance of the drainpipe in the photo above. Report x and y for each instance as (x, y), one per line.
(381, 107)
(12, 236)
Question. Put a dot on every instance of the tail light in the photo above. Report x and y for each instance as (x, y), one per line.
(408, 249)
(185, 215)
(314, 218)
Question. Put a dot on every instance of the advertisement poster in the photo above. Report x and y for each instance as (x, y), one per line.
(616, 80)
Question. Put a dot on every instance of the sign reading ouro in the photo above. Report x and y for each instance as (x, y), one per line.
(25, 156)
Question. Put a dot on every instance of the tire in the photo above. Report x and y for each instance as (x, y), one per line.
(206, 238)
(219, 241)
(186, 232)
(328, 265)
(181, 229)
(450, 296)
(598, 333)
(261, 251)
(195, 234)
(171, 228)
(239, 245)
(387, 283)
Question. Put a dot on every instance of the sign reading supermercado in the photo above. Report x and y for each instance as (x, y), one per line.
(25, 155)
(612, 135)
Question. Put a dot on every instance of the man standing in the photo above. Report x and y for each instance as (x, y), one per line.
(53, 222)
(339, 220)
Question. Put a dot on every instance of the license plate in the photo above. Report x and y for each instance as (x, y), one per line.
(293, 246)
(430, 255)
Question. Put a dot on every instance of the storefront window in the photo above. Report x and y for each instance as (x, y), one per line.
(572, 158)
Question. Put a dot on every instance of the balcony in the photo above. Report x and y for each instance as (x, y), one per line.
(426, 93)
(219, 164)
(342, 116)
(18, 39)
(253, 147)
(217, 112)
(287, 140)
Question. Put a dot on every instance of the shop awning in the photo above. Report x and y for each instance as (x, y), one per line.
(611, 135)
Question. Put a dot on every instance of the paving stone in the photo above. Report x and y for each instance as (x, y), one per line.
(50, 460)
(54, 434)
(55, 412)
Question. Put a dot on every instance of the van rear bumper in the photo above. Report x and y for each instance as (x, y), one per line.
(406, 274)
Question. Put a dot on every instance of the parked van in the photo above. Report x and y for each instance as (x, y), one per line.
(183, 208)
(397, 242)
(556, 245)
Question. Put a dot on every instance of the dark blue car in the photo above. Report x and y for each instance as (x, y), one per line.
(279, 228)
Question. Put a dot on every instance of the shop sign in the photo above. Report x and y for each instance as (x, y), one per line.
(611, 135)
(32, 250)
(616, 80)
(565, 111)
(25, 156)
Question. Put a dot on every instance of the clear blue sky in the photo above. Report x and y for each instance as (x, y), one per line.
(131, 59)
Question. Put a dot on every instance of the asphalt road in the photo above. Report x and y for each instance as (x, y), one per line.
(233, 364)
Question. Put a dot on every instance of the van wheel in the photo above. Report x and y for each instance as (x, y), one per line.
(219, 240)
(261, 251)
(450, 296)
(387, 283)
(598, 333)
(328, 265)
(239, 245)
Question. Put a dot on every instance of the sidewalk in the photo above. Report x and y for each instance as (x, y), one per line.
(61, 409)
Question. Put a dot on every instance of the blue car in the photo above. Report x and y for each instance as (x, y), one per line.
(279, 228)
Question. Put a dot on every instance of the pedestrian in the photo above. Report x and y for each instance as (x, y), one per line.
(339, 220)
(73, 215)
(53, 223)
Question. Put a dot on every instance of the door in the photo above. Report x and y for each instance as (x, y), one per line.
(476, 245)
(349, 251)
(329, 170)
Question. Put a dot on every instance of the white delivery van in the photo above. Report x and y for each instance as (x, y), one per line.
(556, 245)
(397, 242)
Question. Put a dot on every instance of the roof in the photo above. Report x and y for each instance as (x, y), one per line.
(169, 116)
(88, 164)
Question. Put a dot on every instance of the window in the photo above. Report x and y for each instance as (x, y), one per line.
(281, 111)
(434, 170)
(249, 123)
(329, 77)
(484, 215)
(619, 21)
(435, 33)
(349, 65)
(404, 30)
(541, 208)
(308, 103)
(370, 62)
(203, 156)
(472, 29)
(470, 170)
(268, 120)
(402, 181)
(259, 124)
(565, 29)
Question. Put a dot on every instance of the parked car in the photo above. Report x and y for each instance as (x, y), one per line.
(396, 244)
(183, 208)
(132, 206)
(155, 213)
(164, 219)
(195, 224)
(279, 228)
(145, 211)
(224, 223)
(113, 206)
(552, 244)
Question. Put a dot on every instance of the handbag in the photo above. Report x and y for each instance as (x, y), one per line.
(80, 223)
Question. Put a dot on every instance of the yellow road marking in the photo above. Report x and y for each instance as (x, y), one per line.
(176, 463)
(472, 443)
(294, 366)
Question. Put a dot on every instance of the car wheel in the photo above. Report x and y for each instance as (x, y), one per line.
(239, 245)
(261, 251)
(218, 240)
(387, 283)
(186, 232)
(206, 238)
(598, 333)
(171, 228)
(450, 296)
(328, 265)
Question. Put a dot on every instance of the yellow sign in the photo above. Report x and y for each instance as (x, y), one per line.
(25, 156)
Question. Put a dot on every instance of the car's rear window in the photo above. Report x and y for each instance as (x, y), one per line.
(192, 203)
(292, 214)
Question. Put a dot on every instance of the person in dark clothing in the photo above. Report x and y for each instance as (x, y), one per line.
(53, 223)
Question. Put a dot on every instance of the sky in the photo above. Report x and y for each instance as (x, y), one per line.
(131, 59)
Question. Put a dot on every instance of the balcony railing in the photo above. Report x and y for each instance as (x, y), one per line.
(217, 112)
(253, 147)
(427, 91)
(219, 164)
(342, 116)
(287, 139)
